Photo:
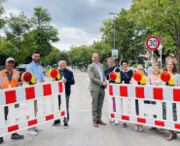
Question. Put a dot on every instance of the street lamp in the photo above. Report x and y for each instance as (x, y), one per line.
(114, 14)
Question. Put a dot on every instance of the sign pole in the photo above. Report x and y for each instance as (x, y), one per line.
(161, 57)
(152, 58)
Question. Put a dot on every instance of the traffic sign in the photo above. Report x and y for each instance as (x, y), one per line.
(115, 53)
(152, 43)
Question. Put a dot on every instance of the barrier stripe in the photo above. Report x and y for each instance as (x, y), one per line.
(10, 96)
(111, 90)
(30, 93)
(159, 123)
(47, 89)
(19, 94)
(177, 126)
(60, 85)
(13, 128)
(32, 122)
(125, 117)
(158, 93)
(141, 120)
(50, 117)
(176, 94)
(123, 91)
(63, 113)
(112, 116)
(144, 92)
(161, 108)
(140, 92)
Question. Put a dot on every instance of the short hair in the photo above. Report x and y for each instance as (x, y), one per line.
(156, 64)
(62, 61)
(124, 61)
(110, 58)
(140, 65)
(95, 53)
(36, 52)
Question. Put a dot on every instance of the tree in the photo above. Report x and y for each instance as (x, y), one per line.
(54, 57)
(44, 34)
(24, 35)
(2, 22)
(129, 40)
(161, 18)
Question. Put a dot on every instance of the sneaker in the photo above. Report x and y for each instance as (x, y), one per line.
(17, 136)
(65, 125)
(116, 122)
(141, 128)
(124, 125)
(32, 132)
(1, 140)
(56, 123)
(36, 129)
(136, 128)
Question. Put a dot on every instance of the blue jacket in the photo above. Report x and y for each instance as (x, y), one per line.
(68, 75)
(109, 70)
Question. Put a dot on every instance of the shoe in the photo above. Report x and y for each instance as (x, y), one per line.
(36, 129)
(17, 136)
(32, 132)
(1, 140)
(124, 125)
(152, 128)
(160, 131)
(101, 123)
(171, 136)
(141, 128)
(116, 122)
(56, 123)
(95, 124)
(136, 128)
(66, 125)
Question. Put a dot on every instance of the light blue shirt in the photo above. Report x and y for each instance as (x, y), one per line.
(99, 71)
(37, 70)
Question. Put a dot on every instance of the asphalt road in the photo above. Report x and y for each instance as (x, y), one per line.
(81, 132)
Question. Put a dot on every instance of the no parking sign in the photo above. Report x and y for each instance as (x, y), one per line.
(153, 43)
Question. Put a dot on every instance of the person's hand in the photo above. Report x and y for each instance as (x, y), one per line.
(157, 84)
(64, 80)
(19, 83)
(178, 83)
(42, 81)
(104, 84)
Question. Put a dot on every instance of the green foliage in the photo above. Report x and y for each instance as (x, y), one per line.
(161, 18)
(24, 35)
(132, 27)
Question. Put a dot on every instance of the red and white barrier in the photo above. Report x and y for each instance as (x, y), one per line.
(23, 116)
(157, 106)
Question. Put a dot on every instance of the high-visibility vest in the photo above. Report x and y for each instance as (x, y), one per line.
(4, 82)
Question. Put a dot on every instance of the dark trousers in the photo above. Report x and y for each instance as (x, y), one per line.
(6, 111)
(67, 106)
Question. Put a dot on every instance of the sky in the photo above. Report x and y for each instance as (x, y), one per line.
(78, 21)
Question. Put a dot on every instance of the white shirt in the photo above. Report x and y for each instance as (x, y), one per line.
(99, 71)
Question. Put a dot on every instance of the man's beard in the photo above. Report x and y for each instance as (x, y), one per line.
(37, 61)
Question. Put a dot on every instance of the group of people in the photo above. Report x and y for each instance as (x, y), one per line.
(11, 78)
(99, 79)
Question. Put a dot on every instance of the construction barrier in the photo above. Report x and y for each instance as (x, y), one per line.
(157, 106)
(25, 107)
